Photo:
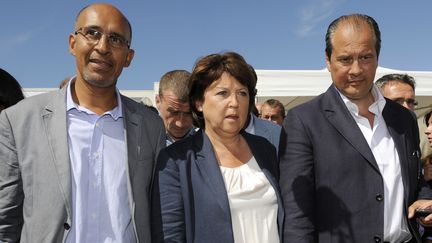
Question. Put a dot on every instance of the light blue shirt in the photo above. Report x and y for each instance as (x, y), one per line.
(101, 210)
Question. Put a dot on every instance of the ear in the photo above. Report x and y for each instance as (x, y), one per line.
(129, 57)
(327, 62)
(199, 106)
(158, 101)
(72, 42)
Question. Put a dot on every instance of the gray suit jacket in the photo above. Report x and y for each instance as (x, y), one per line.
(35, 174)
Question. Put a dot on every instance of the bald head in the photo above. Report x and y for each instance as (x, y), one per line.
(102, 8)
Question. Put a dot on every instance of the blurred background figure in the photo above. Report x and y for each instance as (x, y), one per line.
(64, 82)
(260, 127)
(427, 165)
(428, 158)
(399, 88)
(10, 91)
(257, 109)
(148, 103)
(273, 110)
(173, 105)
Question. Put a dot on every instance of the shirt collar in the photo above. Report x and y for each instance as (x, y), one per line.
(115, 113)
(376, 107)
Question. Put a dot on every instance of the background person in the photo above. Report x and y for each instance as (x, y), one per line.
(399, 88)
(76, 164)
(261, 127)
(10, 92)
(220, 184)
(273, 110)
(173, 105)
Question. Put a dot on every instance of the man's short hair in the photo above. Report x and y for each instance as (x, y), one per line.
(273, 103)
(177, 82)
(395, 77)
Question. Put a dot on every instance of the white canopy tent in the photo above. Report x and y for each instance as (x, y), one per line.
(293, 87)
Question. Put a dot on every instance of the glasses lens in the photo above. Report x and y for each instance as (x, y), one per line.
(93, 36)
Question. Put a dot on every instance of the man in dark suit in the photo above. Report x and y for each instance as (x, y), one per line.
(349, 159)
(76, 164)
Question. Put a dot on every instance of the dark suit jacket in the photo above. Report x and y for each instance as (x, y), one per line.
(331, 184)
(189, 199)
(35, 173)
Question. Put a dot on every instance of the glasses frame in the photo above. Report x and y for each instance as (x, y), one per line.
(84, 30)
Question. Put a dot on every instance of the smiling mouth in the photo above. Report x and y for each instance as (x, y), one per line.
(100, 64)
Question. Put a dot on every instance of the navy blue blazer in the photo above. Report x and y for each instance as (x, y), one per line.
(331, 184)
(189, 199)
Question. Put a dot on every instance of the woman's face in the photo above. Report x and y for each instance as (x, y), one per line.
(428, 130)
(225, 106)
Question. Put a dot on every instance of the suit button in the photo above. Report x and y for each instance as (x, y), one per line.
(377, 239)
(379, 197)
(66, 226)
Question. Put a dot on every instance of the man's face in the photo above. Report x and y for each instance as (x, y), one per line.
(175, 114)
(353, 61)
(272, 114)
(400, 92)
(99, 63)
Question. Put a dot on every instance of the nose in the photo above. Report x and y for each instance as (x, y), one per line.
(103, 46)
(356, 68)
(234, 100)
(183, 120)
(428, 129)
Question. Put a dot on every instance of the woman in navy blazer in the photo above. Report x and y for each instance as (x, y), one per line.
(219, 185)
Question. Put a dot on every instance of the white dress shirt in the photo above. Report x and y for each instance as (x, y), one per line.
(97, 148)
(387, 158)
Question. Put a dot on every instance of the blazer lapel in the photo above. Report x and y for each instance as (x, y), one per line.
(394, 128)
(132, 132)
(271, 173)
(339, 116)
(54, 119)
(209, 167)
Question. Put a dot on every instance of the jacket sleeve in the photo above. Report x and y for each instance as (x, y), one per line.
(168, 222)
(11, 192)
(297, 180)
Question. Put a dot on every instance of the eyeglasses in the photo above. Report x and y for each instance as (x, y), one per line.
(93, 36)
(410, 102)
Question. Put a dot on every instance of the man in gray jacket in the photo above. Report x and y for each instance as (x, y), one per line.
(76, 164)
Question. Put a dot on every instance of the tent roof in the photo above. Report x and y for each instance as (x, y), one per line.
(315, 82)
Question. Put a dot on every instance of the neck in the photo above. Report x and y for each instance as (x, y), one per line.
(98, 100)
(228, 141)
(363, 107)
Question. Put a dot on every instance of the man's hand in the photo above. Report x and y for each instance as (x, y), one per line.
(421, 204)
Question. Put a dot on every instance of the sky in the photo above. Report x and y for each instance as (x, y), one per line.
(174, 34)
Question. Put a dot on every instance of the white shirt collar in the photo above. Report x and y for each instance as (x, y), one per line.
(376, 107)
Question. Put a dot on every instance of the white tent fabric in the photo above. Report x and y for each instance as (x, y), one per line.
(292, 87)
(282, 83)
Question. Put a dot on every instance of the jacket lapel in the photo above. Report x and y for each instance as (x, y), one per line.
(209, 167)
(132, 132)
(54, 119)
(396, 132)
(261, 157)
(339, 116)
